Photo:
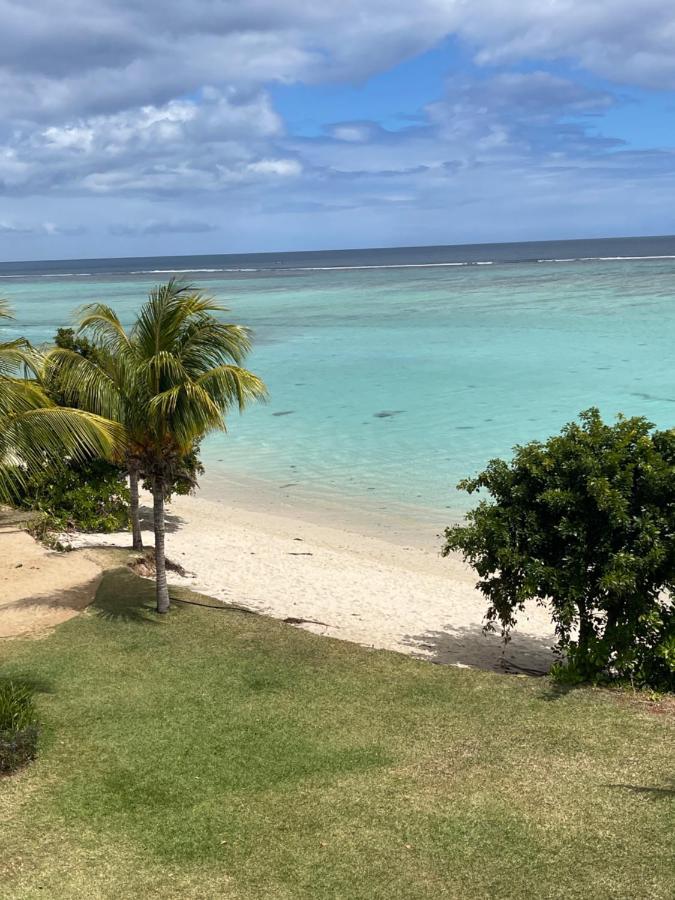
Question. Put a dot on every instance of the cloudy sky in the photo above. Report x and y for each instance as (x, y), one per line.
(134, 127)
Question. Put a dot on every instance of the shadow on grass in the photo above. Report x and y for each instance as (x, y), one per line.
(558, 690)
(30, 682)
(225, 607)
(524, 655)
(652, 793)
(125, 597)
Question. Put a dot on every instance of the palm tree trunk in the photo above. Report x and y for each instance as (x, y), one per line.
(160, 558)
(137, 537)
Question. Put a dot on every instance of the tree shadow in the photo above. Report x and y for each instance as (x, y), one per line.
(125, 597)
(172, 522)
(179, 599)
(557, 690)
(651, 793)
(31, 682)
(525, 654)
(37, 612)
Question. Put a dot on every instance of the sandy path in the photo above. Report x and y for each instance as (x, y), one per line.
(346, 585)
(39, 588)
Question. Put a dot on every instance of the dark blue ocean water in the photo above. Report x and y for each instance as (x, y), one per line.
(246, 263)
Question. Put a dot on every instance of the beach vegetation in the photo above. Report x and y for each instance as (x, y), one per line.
(34, 429)
(85, 496)
(224, 754)
(585, 523)
(169, 381)
(18, 725)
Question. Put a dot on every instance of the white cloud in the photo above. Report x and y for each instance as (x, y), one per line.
(20, 229)
(352, 132)
(89, 56)
(201, 144)
(115, 111)
(284, 168)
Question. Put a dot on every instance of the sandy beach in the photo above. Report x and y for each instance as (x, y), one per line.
(336, 581)
(40, 588)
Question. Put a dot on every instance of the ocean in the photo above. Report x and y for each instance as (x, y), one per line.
(395, 372)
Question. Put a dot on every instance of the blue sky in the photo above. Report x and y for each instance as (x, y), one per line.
(252, 125)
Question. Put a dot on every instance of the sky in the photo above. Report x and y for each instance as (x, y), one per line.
(140, 127)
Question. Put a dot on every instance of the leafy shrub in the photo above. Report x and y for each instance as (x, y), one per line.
(92, 496)
(18, 726)
(586, 522)
(68, 339)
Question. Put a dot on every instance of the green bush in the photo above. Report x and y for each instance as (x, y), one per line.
(18, 726)
(586, 523)
(92, 496)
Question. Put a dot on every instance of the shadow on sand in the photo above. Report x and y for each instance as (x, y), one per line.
(172, 523)
(525, 654)
(39, 612)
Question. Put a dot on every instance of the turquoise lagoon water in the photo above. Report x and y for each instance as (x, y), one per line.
(389, 384)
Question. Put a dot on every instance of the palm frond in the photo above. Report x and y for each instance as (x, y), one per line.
(85, 383)
(206, 341)
(184, 414)
(230, 385)
(160, 369)
(18, 355)
(20, 395)
(103, 325)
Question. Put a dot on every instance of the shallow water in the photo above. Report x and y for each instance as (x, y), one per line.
(392, 383)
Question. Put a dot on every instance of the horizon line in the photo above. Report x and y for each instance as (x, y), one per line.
(627, 237)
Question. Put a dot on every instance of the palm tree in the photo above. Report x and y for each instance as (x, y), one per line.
(33, 429)
(103, 384)
(182, 374)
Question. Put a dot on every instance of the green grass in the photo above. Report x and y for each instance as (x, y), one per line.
(214, 754)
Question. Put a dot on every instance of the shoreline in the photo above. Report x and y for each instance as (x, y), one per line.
(338, 579)
(358, 514)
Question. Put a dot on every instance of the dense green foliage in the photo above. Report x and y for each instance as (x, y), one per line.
(90, 496)
(69, 339)
(18, 725)
(225, 755)
(586, 522)
(34, 430)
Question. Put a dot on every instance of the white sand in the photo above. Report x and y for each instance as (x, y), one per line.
(341, 583)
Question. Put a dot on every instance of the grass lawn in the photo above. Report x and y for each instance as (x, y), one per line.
(215, 754)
